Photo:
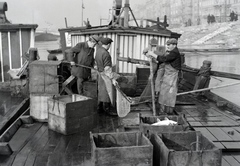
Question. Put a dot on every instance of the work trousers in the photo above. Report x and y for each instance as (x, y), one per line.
(80, 85)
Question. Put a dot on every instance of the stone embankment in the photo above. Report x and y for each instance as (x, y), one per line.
(218, 35)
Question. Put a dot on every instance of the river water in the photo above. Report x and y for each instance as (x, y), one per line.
(225, 62)
(221, 61)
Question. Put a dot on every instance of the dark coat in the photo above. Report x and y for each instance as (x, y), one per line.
(172, 57)
(102, 59)
(84, 55)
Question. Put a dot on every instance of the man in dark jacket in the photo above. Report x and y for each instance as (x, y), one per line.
(169, 87)
(106, 77)
(82, 54)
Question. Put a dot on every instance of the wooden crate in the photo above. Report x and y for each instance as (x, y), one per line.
(147, 128)
(45, 76)
(39, 106)
(123, 148)
(180, 149)
(70, 114)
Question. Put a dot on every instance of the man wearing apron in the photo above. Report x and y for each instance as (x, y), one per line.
(106, 78)
(169, 86)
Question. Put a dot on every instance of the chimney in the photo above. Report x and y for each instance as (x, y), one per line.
(3, 8)
(126, 13)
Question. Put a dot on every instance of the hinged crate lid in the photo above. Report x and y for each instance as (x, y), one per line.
(51, 63)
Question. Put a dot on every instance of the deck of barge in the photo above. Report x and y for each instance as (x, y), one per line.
(35, 145)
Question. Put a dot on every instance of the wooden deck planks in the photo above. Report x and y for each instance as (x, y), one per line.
(53, 138)
(7, 160)
(42, 141)
(231, 160)
(231, 132)
(41, 159)
(73, 144)
(63, 143)
(84, 144)
(237, 157)
(224, 162)
(65, 159)
(215, 124)
(219, 145)
(30, 159)
(50, 148)
(219, 134)
(231, 146)
(53, 159)
(206, 133)
(22, 155)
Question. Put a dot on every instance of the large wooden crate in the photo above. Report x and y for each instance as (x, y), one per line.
(147, 128)
(70, 114)
(45, 76)
(184, 149)
(122, 148)
(39, 106)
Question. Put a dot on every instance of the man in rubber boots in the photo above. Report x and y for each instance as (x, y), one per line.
(169, 86)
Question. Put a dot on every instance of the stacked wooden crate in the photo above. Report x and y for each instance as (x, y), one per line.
(184, 149)
(44, 83)
(70, 114)
(123, 148)
(147, 128)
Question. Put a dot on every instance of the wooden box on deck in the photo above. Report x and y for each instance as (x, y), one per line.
(38, 106)
(180, 149)
(45, 76)
(146, 126)
(121, 148)
(70, 114)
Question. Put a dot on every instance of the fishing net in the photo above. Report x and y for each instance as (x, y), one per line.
(146, 94)
(123, 103)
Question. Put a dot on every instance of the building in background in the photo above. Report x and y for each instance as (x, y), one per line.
(187, 12)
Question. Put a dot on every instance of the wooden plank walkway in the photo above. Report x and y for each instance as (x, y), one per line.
(36, 145)
(223, 128)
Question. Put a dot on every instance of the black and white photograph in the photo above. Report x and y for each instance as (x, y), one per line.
(119, 83)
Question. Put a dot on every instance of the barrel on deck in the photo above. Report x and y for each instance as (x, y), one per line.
(121, 148)
(70, 114)
(147, 128)
(184, 148)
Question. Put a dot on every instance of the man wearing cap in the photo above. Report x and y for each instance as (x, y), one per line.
(169, 87)
(82, 54)
(104, 66)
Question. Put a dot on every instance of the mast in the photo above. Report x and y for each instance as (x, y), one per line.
(82, 12)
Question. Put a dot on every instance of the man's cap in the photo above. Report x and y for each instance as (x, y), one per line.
(153, 42)
(172, 41)
(95, 38)
(207, 62)
(106, 41)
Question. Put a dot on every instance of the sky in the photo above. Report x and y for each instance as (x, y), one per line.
(50, 14)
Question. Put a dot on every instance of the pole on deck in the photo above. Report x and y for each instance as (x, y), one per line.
(151, 79)
(152, 87)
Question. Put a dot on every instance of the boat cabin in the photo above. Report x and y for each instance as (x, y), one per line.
(15, 40)
(128, 40)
